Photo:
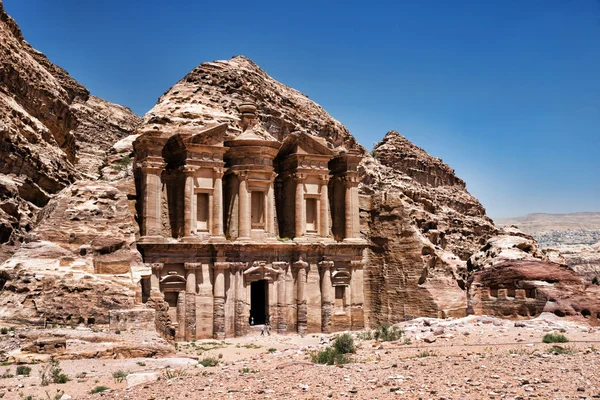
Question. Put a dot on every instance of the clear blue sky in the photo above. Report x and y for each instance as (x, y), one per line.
(506, 92)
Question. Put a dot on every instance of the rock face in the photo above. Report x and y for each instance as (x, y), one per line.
(576, 236)
(421, 223)
(51, 132)
(512, 277)
(78, 263)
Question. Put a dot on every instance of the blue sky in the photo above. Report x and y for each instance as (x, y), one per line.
(506, 92)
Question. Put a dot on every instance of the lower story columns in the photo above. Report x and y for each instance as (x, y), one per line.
(326, 297)
(302, 309)
(219, 300)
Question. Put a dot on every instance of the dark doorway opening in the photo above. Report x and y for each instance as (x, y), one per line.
(259, 302)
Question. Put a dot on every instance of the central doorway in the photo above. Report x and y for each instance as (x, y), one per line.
(259, 302)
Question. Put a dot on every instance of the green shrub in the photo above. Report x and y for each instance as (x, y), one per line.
(4, 330)
(344, 344)
(272, 350)
(367, 335)
(141, 363)
(209, 362)
(117, 332)
(562, 350)
(329, 356)
(52, 373)
(554, 338)
(426, 353)
(175, 373)
(23, 370)
(99, 389)
(119, 376)
(595, 281)
(387, 333)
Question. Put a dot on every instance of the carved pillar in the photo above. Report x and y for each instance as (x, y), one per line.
(155, 280)
(270, 226)
(324, 209)
(301, 317)
(326, 298)
(357, 294)
(281, 297)
(219, 300)
(300, 207)
(204, 303)
(152, 191)
(352, 216)
(217, 228)
(241, 322)
(188, 202)
(244, 208)
(190, 300)
(181, 315)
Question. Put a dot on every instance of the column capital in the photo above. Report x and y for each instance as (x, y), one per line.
(156, 266)
(221, 265)
(189, 266)
(299, 177)
(324, 178)
(326, 264)
(189, 170)
(218, 172)
(300, 264)
(152, 166)
(357, 263)
(351, 179)
(242, 175)
(280, 264)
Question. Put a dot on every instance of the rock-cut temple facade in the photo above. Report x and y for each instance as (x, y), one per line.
(244, 229)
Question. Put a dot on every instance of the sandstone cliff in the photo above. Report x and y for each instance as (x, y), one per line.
(52, 132)
(421, 223)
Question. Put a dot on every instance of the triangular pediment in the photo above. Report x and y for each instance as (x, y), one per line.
(211, 136)
(303, 143)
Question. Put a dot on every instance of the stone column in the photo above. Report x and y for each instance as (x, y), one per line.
(240, 322)
(188, 202)
(204, 303)
(244, 208)
(190, 300)
(324, 209)
(152, 190)
(300, 206)
(326, 297)
(271, 209)
(181, 315)
(281, 267)
(217, 206)
(219, 300)
(357, 294)
(352, 216)
(301, 318)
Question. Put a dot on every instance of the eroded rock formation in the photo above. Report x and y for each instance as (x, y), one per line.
(512, 277)
(52, 132)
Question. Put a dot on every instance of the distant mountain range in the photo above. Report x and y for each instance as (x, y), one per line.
(576, 235)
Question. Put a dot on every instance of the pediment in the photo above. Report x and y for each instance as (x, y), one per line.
(303, 143)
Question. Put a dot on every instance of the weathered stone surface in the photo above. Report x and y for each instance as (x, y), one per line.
(51, 132)
(511, 277)
(78, 263)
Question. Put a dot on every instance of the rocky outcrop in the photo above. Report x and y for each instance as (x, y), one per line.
(576, 236)
(512, 277)
(80, 261)
(51, 132)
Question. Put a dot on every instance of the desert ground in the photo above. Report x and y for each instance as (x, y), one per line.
(468, 358)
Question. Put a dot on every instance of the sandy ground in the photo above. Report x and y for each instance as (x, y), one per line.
(468, 358)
